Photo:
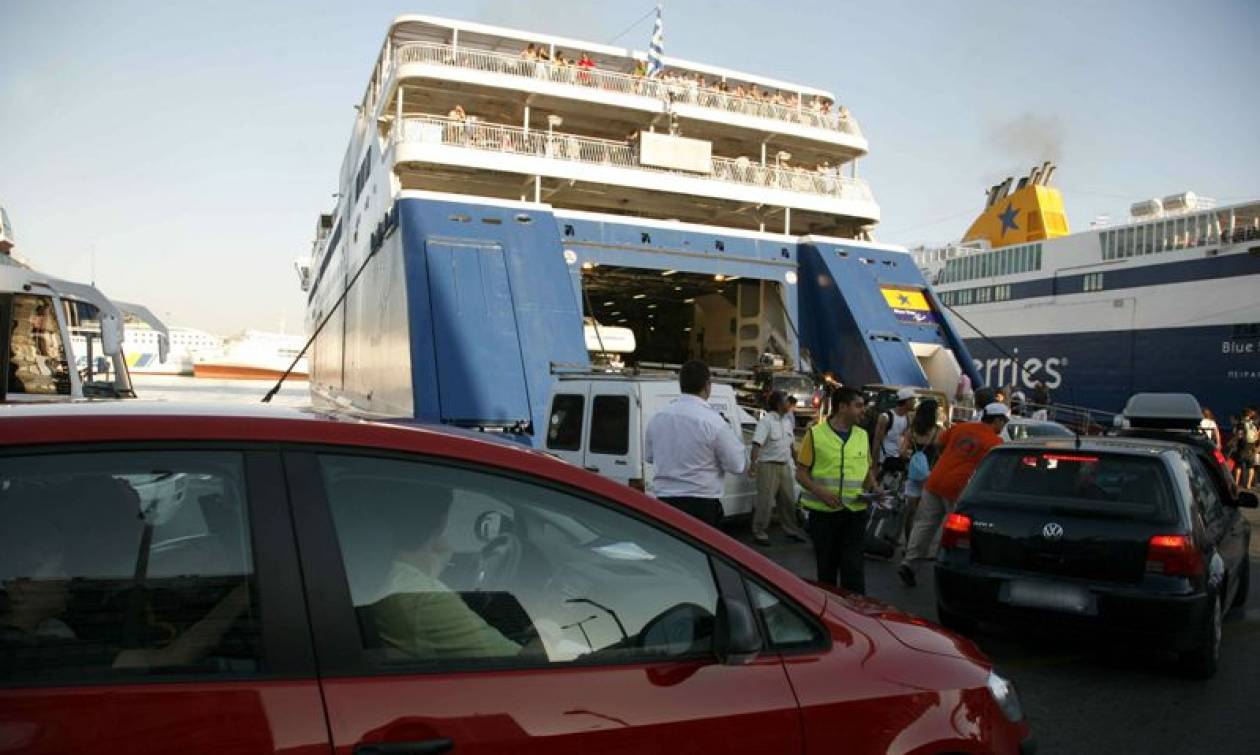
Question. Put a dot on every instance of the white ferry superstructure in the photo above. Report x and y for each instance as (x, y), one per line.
(1165, 301)
(491, 201)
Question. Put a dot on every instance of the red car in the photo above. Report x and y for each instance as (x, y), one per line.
(198, 581)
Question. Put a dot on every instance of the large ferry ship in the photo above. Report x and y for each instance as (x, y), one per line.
(507, 195)
(1164, 301)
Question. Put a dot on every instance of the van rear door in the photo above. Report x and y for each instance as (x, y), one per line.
(566, 421)
(612, 449)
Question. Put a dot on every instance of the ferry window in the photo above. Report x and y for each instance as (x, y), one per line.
(564, 429)
(37, 355)
(1037, 257)
(610, 425)
(1129, 235)
(96, 368)
(1182, 235)
(1107, 251)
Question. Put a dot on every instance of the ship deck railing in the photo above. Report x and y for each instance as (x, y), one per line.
(681, 91)
(473, 134)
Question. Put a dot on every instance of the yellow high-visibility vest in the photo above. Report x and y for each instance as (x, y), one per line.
(839, 466)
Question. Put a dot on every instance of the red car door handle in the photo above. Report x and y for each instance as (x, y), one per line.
(425, 747)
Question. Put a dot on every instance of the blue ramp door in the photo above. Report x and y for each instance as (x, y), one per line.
(481, 375)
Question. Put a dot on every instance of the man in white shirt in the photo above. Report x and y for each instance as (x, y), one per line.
(692, 447)
(771, 467)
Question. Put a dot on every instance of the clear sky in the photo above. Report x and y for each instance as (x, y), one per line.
(189, 146)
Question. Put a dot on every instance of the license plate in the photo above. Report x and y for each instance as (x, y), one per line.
(1054, 597)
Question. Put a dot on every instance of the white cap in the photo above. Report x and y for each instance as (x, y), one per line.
(905, 394)
(997, 409)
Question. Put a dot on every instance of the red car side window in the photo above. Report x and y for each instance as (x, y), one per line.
(121, 564)
(452, 566)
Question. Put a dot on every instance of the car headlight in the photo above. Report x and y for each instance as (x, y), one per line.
(1004, 695)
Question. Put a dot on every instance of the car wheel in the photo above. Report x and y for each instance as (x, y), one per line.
(954, 622)
(1244, 582)
(1202, 662)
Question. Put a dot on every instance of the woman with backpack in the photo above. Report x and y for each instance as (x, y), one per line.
(920, 444)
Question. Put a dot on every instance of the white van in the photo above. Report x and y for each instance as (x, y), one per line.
(598, 421)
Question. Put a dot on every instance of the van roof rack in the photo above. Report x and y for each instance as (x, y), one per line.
(653, 370)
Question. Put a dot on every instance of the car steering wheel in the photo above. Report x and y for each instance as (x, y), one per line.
(498, 560)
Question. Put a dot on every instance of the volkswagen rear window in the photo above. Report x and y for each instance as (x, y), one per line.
(1119, 485)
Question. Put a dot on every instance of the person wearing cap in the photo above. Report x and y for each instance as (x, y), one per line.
(833, 468)
(770, 467)
(962, 448)
(889, 429)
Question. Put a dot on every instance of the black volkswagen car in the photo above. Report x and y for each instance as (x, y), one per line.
(1136, 539)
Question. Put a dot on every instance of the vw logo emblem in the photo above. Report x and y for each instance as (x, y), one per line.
(1052, 531)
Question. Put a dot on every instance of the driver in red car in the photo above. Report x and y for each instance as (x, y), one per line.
(419, 615)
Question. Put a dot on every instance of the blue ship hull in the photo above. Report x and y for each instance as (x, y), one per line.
(1100, 370)
(484, 299)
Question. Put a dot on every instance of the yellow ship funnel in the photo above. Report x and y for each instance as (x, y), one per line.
(1033, 212)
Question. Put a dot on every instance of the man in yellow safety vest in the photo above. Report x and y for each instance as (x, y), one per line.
(834, 468)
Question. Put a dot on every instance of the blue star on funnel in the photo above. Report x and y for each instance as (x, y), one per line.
(904, 300)
(1008, 219)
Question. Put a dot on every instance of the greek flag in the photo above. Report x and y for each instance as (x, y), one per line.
(656, 48)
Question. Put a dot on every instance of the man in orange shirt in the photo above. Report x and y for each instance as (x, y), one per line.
(962, 448)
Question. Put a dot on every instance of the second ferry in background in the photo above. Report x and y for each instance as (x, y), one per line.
(1168, 300)
(253, 355)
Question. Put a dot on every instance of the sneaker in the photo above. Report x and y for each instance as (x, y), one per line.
(798, 537)
(907, 575)
(763, 540)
